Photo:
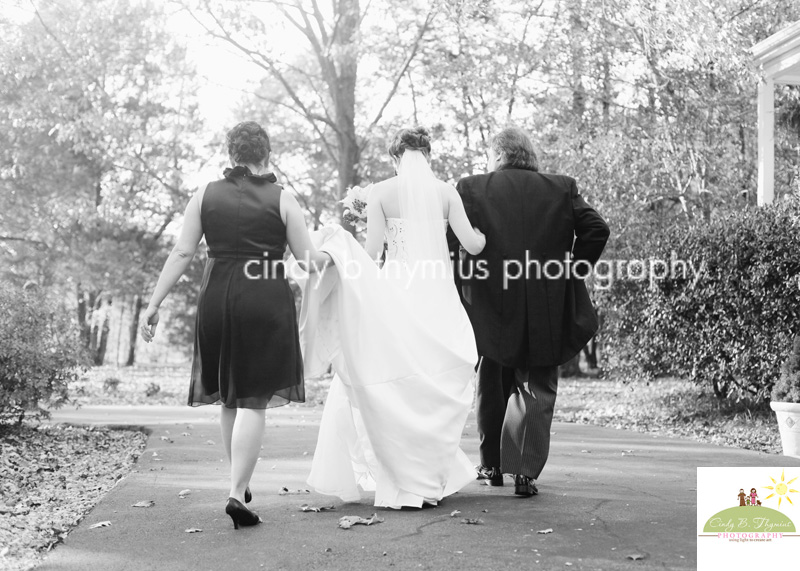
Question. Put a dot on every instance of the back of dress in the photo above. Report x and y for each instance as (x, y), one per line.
(247, 351)
(241, 216)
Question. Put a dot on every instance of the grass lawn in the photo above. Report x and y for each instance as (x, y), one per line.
(668, 406)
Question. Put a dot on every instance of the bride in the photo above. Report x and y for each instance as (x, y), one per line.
(400, 342)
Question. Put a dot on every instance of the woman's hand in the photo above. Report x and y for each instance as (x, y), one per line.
(149, 323)
(481, 237)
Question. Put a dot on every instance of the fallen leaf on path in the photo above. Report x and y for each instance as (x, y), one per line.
(548, 530)
(472, 521)
(308, 508)
(144, 504)
(185, 434)
(166, 439)
(348, 521)
(183, 493)
(100, 524)
(284, 491)
(211, 442)
(454, 513)
(485, 511)
(586, 451)
(193, 530)
(636, 556)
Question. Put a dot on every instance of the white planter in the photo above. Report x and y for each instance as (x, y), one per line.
(788, 414)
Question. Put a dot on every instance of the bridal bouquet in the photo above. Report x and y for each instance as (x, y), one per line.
(355, 204)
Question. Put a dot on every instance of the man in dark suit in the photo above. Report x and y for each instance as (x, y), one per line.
(526, 299)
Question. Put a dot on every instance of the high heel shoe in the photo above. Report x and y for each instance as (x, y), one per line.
(248, 497)
(240, 514)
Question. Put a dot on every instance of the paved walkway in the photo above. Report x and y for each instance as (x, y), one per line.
(606, 494)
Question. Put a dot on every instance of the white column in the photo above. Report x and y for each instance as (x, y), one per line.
(766, 141)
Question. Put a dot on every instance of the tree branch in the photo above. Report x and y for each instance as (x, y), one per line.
(23, 239)
(414, 48)
(263, 62)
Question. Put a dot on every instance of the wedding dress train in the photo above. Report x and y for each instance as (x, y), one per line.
(403, 351)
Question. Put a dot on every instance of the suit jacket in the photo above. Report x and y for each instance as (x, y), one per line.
(529, 219)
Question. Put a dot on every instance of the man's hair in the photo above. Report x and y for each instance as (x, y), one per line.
(515, 145)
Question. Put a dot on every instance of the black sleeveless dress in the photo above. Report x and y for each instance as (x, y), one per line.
(247, 348)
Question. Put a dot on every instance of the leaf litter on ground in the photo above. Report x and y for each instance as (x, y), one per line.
(348, 521)
(472, 521)
(316, 509)
(284, 491)
(144, 504)
(33, 465)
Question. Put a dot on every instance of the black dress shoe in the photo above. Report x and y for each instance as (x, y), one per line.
(493, 475)
(240, 514)
(525, 486)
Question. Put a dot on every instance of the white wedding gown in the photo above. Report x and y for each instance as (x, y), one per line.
(403, 351)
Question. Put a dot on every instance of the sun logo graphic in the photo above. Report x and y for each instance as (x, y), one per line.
(781, 489)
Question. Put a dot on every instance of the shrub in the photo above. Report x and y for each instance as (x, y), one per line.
(152, 389)
(111, 384)
(731, 328)
(40, 354)
(787, 389)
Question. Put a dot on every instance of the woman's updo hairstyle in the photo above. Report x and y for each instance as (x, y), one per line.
(416, 139)
(248, 143)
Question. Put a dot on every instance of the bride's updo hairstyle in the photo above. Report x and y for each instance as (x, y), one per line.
(248, 143)
(416, 139)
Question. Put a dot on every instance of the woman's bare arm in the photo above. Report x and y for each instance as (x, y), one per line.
(471, 238)
(300, 244)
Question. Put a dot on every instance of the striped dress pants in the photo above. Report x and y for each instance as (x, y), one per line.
(515, 413)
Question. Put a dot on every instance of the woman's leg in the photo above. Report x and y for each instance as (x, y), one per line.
(226, 422)
(245, 446)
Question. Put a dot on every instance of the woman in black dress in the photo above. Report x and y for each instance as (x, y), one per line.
(246, 352)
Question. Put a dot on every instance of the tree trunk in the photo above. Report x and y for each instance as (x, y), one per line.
(571, 368)
(94, 336)
(102, 339)
(577, 31)
(590, 352)
(608, 93)
(343, 73)
(86, 303)
(119, 331)
(135, 313)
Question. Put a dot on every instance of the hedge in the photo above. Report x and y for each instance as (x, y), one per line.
(734, 327)
(40, 353)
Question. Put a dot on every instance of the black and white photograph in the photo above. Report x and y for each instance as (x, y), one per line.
(407, 285)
